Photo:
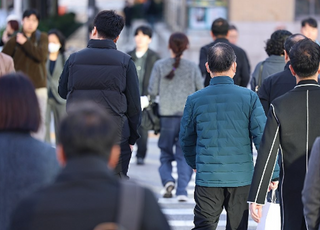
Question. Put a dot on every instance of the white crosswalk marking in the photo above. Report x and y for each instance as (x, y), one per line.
(180, 214)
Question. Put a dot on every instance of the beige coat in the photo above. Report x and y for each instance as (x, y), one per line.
(6, 64)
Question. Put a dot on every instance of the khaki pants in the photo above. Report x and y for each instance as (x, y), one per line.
(42, 95)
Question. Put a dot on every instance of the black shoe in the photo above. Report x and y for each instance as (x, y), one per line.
(140, 161)
(169, 187)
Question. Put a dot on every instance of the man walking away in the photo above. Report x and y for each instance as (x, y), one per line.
(102, 74)
(282, 82)
(218, 126)
(292, 125)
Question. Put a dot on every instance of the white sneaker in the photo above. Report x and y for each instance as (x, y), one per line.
(182, 198)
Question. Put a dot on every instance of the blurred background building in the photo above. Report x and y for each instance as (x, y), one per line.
(255, 20)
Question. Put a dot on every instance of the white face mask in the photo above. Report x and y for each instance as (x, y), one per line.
(53, 47)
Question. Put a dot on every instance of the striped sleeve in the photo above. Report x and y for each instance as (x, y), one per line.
(266, 160)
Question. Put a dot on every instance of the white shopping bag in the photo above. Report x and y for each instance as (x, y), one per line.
(271, 217)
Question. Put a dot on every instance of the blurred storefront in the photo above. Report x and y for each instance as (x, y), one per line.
(199, 14)
(255, 20)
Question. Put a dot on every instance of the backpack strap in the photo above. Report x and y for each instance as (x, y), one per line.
(38, 35)
(131, 204)
(259, 78)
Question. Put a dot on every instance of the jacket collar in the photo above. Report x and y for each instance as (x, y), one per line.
(59, 60)
(102, 44)
(307, 83)
(275, 59)
(85, 166)
(287, 65)
(221, 40)
(134, 56)
(221, 80)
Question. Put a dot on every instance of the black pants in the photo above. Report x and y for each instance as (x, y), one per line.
(142, 142)
(210, 202)
(121, 169)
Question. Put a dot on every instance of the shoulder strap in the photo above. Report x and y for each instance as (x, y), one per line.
(259, 78)
(131, 203)
(38, 35)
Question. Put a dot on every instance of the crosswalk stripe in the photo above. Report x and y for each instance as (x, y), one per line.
(187, 211)
(189, 223)
(174, 201)
(167, 211)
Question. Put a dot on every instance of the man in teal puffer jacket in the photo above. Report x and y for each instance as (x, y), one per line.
(217, 129)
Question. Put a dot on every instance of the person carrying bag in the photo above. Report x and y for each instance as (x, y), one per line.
(271, 218)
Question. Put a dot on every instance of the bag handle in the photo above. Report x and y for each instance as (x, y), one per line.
(273, 196)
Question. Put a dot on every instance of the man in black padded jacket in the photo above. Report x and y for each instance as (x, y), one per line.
(102, 74)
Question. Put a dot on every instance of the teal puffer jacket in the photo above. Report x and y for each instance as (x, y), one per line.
(217, 129)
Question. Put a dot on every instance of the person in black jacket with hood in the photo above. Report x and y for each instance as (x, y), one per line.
(102, 74)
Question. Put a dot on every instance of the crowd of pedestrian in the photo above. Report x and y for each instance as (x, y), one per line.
(104, 102)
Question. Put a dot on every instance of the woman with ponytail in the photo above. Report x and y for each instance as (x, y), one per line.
(173, 80)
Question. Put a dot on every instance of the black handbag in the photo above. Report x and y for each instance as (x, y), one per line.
(150, 118)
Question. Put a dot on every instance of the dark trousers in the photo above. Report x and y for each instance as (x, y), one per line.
(121, 169)
(142, 142)
(210, 202)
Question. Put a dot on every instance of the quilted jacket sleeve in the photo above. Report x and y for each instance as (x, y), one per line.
(188, 135)
(257, 120)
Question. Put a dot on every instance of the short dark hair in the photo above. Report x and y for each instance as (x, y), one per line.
(29, 12)
(146, 30)
(19, 107)
(87, 130)
(305, 58)
(109, 24)
(233, 27)
(61, 38)
(220, 57)
(291, 40)
(275, 44)
(310, 21)
(220, 27)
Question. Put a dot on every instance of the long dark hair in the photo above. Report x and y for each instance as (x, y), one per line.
(178, 42)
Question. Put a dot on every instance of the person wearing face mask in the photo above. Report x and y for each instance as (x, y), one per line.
(54, 66)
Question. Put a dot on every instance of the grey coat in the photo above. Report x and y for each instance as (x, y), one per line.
(26, 164)
(173, 93)
(311, 189)
(53, 79)
(273, 64)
